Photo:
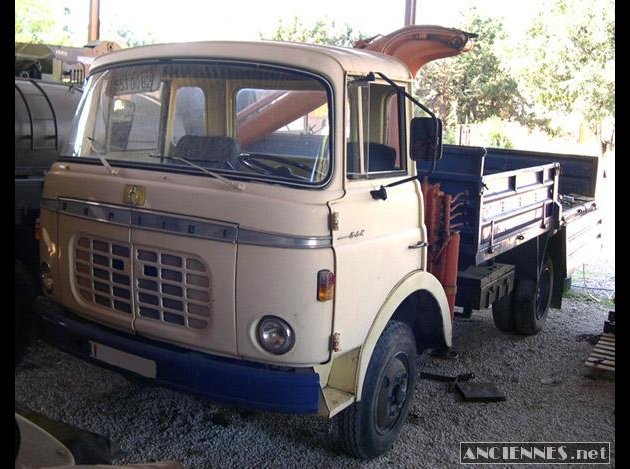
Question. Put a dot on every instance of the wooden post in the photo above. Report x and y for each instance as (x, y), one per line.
(410, 12)
(94, 25)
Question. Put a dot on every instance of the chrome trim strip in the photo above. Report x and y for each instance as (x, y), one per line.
(185, 226)
(96, 211)
(50, 204)
(258, 238)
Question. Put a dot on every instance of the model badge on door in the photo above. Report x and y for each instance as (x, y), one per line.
(134, 195)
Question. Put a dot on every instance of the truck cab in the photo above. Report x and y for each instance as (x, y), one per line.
(218, 223)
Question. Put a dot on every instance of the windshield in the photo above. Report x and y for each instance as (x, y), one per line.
(241, 120)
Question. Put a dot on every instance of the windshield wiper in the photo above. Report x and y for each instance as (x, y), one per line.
(231, 184)
(100, 152)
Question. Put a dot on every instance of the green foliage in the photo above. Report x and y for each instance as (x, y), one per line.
(35, 22)
(322, 31)
(126, 36)
(569, 59)
(499, 140)
(449, 135)
(476, 85)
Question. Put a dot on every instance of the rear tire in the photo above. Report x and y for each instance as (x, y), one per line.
(503, 313)
(532, 300)
(369, 427)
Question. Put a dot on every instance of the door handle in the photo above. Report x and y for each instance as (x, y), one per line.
(418, 245)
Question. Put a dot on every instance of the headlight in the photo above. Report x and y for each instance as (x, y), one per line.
(46, 277)
(275, 335)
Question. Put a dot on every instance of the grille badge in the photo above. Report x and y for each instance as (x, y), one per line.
(134, 195)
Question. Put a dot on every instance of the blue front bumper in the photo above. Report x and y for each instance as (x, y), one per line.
(230, 381)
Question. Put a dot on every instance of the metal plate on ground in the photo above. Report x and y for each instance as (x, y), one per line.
(480, 392)
(124, 360)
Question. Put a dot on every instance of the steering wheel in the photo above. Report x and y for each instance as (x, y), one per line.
(251, 160)
(256, 165)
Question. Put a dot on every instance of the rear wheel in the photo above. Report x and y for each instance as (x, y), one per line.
(369, 427)
(532, 300)
(503, 313)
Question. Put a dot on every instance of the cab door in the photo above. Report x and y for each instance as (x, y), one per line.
(377, 242)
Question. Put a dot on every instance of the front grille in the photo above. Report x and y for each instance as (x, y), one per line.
(171, 287)
(102, 273)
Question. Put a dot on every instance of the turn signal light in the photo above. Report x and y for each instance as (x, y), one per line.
(38, 229)
(325, 285)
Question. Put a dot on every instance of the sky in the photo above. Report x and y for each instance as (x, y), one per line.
(196, 20)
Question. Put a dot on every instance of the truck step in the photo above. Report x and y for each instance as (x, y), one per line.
(602, 358)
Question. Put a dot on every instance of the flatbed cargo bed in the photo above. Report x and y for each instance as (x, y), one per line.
(506, 198)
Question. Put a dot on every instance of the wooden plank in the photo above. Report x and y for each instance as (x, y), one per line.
(605, 347)
(600, 367)
(599, 361)
(599, 355)
(602, 356)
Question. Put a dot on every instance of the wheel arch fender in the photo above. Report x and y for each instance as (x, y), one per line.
(417, 285)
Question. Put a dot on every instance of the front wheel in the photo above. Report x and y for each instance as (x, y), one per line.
(369, 427)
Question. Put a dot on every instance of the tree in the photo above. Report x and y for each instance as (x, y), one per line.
(322, 31)
(36, 22)
(570, 63)
(476, 85)
(116, 28)
(125, 36)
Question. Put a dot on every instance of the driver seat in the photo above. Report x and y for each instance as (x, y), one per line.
(200, 148)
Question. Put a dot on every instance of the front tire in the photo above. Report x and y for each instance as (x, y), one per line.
(369, 427)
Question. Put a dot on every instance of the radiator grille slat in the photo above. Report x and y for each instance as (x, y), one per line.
(173, 288)
(96, 265)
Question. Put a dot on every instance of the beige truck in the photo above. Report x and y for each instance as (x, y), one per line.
(244, 221)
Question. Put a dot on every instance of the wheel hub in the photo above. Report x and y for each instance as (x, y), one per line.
(392, 394)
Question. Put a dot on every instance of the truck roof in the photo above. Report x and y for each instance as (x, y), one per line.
(327, 60)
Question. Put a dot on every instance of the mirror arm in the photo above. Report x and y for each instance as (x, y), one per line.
(382, 192)
(400, 89)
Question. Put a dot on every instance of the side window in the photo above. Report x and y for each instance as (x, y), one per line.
(373, 139)
(190, 113)
(134, 121)
(145, 129)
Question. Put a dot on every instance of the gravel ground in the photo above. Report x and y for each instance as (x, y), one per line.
(551, 396)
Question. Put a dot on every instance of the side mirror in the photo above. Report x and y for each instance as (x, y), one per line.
(426, 139)
(122, 119)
